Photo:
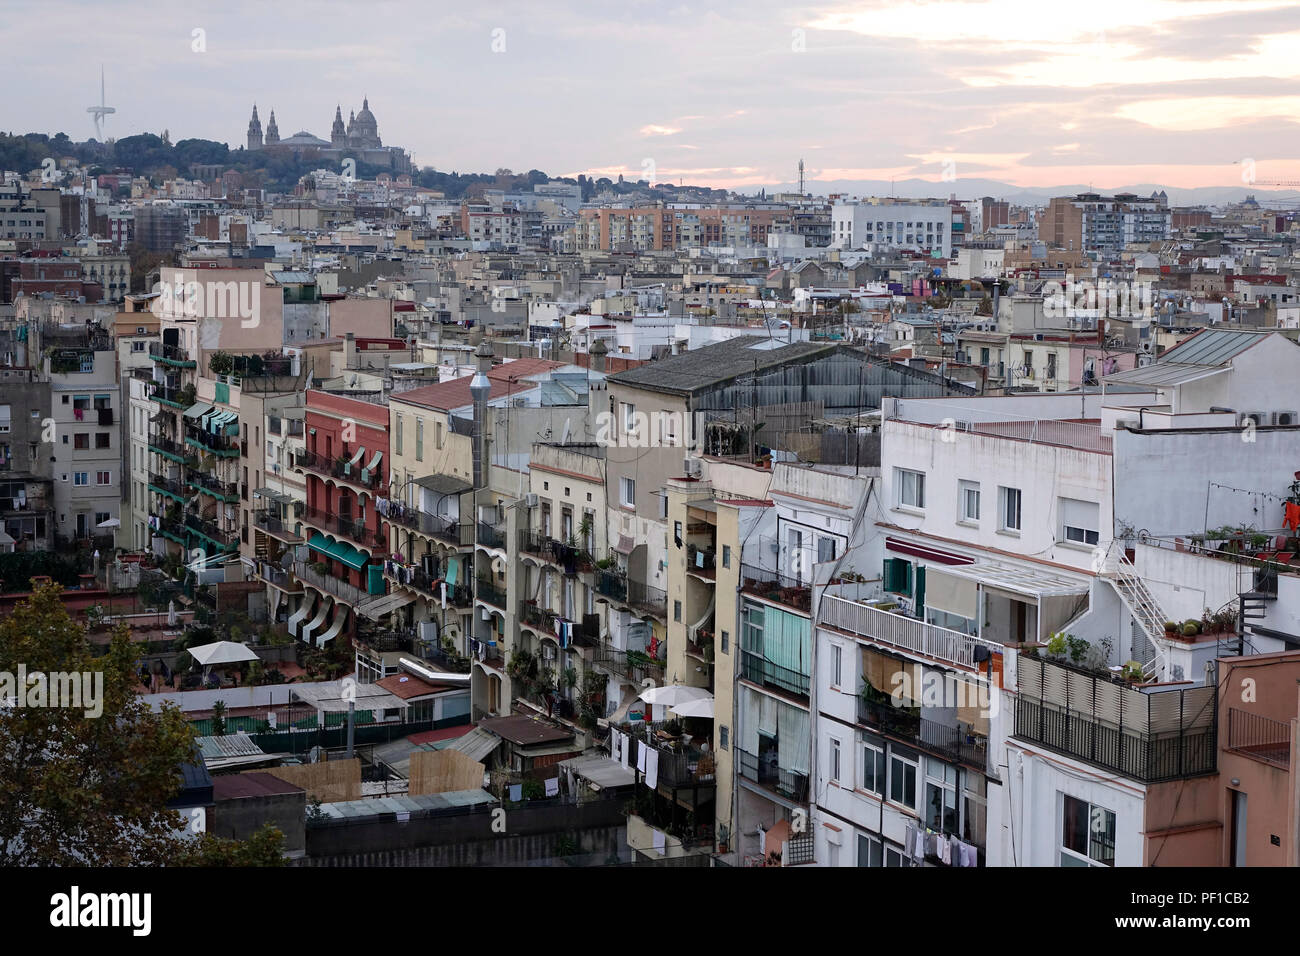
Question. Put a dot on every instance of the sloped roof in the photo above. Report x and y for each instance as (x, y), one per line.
(713, 364)
(1213, 346)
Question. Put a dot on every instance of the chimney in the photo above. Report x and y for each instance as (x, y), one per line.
(479, 389)
(349, 350)
(598, 351)
(556, 329)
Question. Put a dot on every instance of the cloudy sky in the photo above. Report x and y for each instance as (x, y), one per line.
(1109, 92)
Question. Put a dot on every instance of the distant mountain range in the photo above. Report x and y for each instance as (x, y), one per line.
(965, 188)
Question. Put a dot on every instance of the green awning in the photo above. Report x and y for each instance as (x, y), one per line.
(198, 410)
(318, 542)
(453, 566)
(348, 555)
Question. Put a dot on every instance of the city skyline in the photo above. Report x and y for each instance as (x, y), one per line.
(1182, 94)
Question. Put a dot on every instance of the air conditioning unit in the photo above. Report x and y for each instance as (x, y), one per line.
(1286, 418)
(1256, 418)
(530, 500)
(692, 467)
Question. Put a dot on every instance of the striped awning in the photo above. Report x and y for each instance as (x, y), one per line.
(198, 410)
(271, 494)
(358, 456)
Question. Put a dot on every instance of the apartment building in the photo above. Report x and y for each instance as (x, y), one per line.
(1106, 224)
(666, 227)
(922, 226)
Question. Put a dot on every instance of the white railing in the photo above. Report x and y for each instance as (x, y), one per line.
(1140, 602)
(901, 631)
(1083, 436)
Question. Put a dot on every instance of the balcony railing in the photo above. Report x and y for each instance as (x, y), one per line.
(171, 355)
(486, 590)
(221, 445)
(447, 530)
(903, 632)
(777, 587)
(1262, 738)
(211, 485)
(166, 446)
(279, 577)
(541, 619)
(1149, 737)
(344, 591)
(766, 773)
(355, 531)
(701, 561)
(634, 669)
(491, 537)
(226, 540)
(356, 474)
(756, 668)
(175, 397)
(273, 524)
(173, 529)
(172, 486)
(951, 743)
(458, 595)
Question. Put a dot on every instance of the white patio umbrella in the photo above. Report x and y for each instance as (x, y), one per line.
(695, 708)
(221, 652)
(670, 695)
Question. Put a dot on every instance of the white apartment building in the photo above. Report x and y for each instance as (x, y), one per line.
(924, 227)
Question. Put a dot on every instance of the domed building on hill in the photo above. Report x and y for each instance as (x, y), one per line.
(358, 140)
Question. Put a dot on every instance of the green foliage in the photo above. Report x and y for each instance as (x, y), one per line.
(19, 567)
(533, 790)
(78, 790)
(263, 848)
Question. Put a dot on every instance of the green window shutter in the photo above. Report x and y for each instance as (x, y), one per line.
(920, 591)
(905, 583)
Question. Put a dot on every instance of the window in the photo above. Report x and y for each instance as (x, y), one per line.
(898, 576)
(102, 439)
(1009, 508)
(1051, 365)
(5, 413)
(103, 478)
(911, 488)
(726, 555)
(419, 439)
(903, 767)
(872, 851)
(1079, 520)
(677, 611)
(726, 642)
(873, 767)
(627, 415)
(397, 433)
(627, 492)
(968, 501)
(837, 662)
(81, 440)
(1087, 833)
(940, 796)
(724, 737)
(835, 760)
(825, 550)
(80, 478)
(101, 517)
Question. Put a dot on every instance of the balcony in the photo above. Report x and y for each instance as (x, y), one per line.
(759, 670)
(953, 744)
(485, 590)
(701, 562)
(779, 588)
(277, 526)
(631, 666)
(447, 530)
(903, 632)
(344, 526)
(490, 536)
(1111, 725)
(172, 397)
(213, 487)
(173, 450)
(548, 622)
(1260, 738)
(171, 355)
(173, 487)
(172, 529)
(766, 773)
(224, 540)
(415, 578)
(340, 468)
(345, 592)
(278, 577)
(219, 445)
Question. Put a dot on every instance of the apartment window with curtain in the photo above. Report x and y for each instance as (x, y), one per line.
(1087, 833)
(968, 502)
(911, 488)
(873, 765)
(419, 439)
(397, 434)
(904, 765)
(1080, 521)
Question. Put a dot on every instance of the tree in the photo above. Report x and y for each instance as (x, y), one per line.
(78, 789)
(263, 848)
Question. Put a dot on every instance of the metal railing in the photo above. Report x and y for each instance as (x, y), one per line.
(702, 561)
(951, 743)
(210, 530)
(171, 447)
(787, 783)
(339, 467)
(756, 668)
(227, 447)
(170, 396)
(213, 485)
(792, 592)
(348, 593)
(490, 536)
(901, 631)
(281, 578)
(276, 525)
(636, 670)
(443, 528)
(539, 618)
(1082, 436)
(171, 353)
(486, 590)
(172, 486)
(458, 595)
(1253, 735)
(343, 525)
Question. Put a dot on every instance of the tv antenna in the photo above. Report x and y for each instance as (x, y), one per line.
(102, 110)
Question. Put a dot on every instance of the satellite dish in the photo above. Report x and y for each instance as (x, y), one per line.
(286, 561)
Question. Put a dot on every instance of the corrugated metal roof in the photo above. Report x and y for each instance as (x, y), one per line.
(477, 744)
(1213, 346)
(1162, 374)
(230, 745)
